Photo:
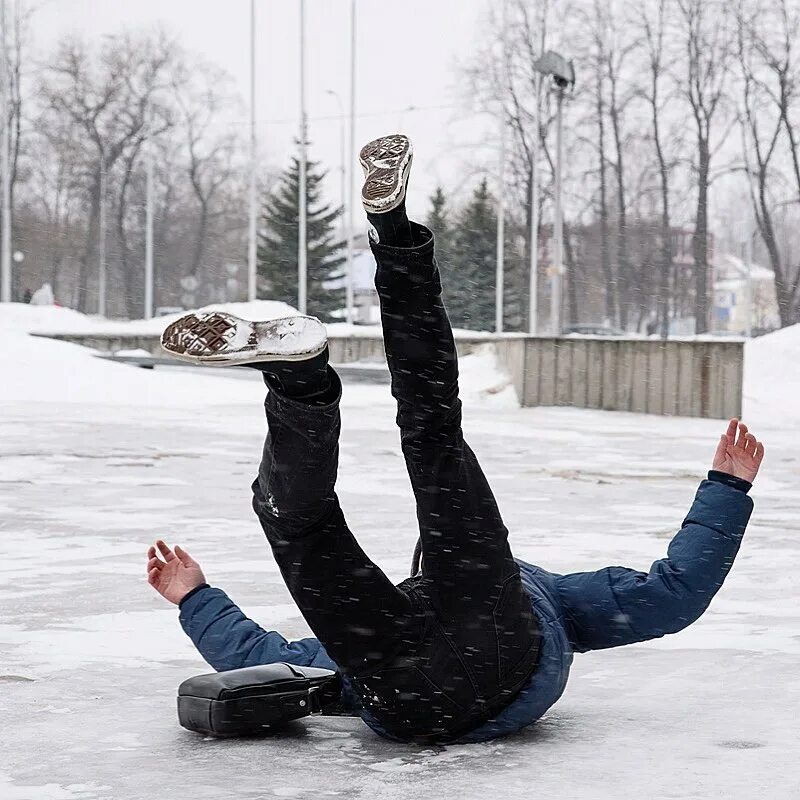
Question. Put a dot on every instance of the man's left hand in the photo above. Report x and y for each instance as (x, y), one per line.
(739, 453)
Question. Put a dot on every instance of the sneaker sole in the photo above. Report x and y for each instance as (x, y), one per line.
(386, 163)
(219, 339)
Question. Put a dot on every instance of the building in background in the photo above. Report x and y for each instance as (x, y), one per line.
(365, 298)
(734, 285)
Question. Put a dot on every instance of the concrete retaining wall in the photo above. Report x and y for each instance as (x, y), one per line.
(647, 376)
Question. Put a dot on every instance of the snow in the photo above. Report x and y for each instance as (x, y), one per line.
(55, 319)
(772, 376)
(97, 459)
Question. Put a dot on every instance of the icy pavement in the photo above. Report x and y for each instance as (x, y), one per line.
(90, 656)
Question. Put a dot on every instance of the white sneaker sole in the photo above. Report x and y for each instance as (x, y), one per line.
(386, 163)
(216, 338)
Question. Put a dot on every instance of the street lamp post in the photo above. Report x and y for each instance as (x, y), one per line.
(302, 233)
(533, 278)
(351, 152)
(251, 222)
(563, 75)
(501, 187)
(148, 247)
(558, 221)
(5, 166)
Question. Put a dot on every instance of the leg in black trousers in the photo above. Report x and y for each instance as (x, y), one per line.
(360, 617)
(469, 576)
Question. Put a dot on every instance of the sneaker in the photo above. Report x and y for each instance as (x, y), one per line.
(386, 163)
(220, 339)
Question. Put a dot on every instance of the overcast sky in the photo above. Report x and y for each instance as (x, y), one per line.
(407, 67)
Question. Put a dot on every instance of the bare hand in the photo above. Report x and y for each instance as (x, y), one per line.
(175, 576)
(740, 456)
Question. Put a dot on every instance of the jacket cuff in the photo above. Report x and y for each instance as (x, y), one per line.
(192, 593)
(730, 480)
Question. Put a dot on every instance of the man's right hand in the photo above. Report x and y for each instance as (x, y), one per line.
(175, 576)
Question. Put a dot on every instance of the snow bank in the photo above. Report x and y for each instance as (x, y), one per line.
(44, 370)
(25, 318)
(54, 319)
(772, 377)
(482, 379)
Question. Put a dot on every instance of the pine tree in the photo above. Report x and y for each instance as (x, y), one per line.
(278, 244)
(439, 222)
(470, 275)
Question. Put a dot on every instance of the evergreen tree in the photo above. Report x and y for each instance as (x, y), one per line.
(439, 222)
(278, 244)
(470, 274)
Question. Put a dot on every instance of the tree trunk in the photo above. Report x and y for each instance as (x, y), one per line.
(624, 270)
(605, 255)
(700, 239)
(665, 249)
(572, 287)
(90, 246)
(200, 238)
(783, 289)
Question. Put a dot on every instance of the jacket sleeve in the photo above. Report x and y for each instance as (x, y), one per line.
(227, 639)
(618, 606)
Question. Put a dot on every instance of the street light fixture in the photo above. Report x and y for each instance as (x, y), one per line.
(562, 72)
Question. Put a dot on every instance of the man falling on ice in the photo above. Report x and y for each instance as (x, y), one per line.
(478, 644)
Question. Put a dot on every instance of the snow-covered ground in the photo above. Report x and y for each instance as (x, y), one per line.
(58, 320)
(98, 459)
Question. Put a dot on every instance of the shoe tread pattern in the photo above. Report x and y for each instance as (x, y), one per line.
(193, 335)
(385, 163)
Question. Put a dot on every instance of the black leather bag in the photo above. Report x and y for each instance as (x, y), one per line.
(253, 700)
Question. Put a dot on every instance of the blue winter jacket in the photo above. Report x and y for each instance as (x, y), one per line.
(577, 612)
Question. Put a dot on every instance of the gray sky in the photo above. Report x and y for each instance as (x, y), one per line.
(407, 56)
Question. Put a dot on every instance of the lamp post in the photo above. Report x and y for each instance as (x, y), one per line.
(5, 167)
(148, 226)
(501, 188)
(351, 153)
(558, 222)
(533, 278)
(563, 74)
(252, 212)
(302, 233)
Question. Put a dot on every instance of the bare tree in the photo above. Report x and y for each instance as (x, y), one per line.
(652, 21)
(596, 59)
(17, 45)
(110, 101)
(202, 94)
(54, 192)
(705, 30)
(770, 94)
(617, 52)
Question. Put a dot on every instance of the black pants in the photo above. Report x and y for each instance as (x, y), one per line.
(443, 651)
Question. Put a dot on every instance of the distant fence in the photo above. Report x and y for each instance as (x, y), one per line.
(649, 376)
